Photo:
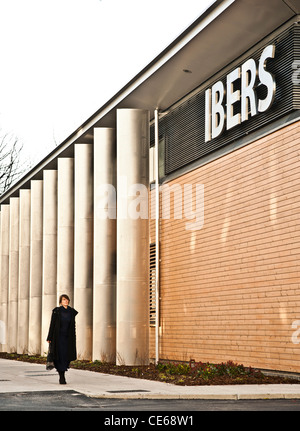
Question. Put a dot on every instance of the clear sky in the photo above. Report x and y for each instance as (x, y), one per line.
(62, 59)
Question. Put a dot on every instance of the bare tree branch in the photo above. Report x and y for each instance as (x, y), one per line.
(11, 167)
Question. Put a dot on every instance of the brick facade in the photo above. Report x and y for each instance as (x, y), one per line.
(231, 291)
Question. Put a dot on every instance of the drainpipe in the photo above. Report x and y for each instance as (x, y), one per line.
(156, 237)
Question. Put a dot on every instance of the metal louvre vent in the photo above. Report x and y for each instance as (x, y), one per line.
(152, 279)
(183, 127)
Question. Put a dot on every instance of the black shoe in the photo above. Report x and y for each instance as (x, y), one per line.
(62, 379)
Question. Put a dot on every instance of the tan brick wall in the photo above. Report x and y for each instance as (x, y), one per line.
(231, 291)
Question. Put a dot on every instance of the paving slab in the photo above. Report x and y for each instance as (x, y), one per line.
(16, 376)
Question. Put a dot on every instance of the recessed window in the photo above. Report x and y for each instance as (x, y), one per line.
(161, 161)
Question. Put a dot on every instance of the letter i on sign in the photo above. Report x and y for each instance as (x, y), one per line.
(208, 115)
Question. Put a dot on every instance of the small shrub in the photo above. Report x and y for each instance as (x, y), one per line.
(229, 368)
(173, 368)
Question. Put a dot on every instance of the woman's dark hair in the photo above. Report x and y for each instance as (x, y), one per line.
(63, 296)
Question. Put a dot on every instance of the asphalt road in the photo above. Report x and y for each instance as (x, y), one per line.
(74, 401)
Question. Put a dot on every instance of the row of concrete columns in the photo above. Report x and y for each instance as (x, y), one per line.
(65, 235)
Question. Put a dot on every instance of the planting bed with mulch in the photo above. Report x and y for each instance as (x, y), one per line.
(186, 374)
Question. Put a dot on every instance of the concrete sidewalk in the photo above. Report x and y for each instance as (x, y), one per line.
(18, 376)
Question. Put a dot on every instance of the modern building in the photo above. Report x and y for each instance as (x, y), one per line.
(208, 268)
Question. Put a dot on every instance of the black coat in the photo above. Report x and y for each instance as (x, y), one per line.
(54, 334)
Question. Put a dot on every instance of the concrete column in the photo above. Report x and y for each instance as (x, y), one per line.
(36, 267)
(5, 216)
(2, 329)
(83, 248)
(13, 275)
(132, 237)
(49, 299)
(24, 272)
(104, 295)
(65, 228)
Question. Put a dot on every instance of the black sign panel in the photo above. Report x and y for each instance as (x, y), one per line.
(184, 126)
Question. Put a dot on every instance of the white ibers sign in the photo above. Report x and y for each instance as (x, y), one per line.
(219, 100)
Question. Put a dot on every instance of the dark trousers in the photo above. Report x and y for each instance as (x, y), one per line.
(62, 364)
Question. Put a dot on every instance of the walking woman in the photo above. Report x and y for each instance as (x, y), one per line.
(62, 336)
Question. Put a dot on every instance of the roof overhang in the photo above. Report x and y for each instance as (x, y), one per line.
(221, 34)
